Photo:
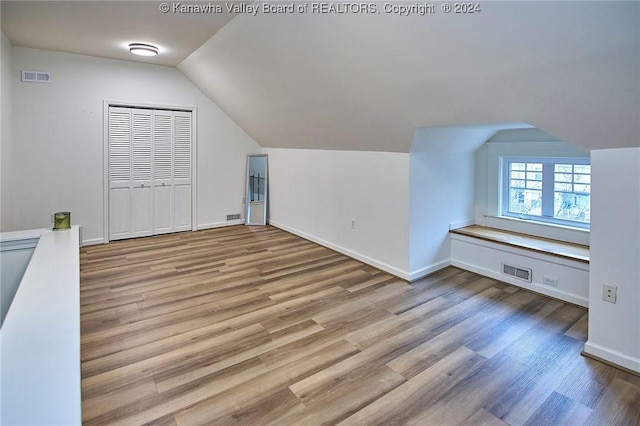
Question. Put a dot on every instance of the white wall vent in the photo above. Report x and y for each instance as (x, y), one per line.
(36, 76)
(523, 274)
(233, 216)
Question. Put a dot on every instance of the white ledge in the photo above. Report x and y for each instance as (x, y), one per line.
(40, 336)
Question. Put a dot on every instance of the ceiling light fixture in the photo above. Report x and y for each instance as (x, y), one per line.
(143, 49)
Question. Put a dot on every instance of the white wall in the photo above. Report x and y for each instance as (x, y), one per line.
(6, 137)
(441, 194)
(518, 142)
(316, 194)
(441, 191)
(614, 329)
(58, 142)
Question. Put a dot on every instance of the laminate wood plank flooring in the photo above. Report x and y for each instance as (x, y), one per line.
(255, 326)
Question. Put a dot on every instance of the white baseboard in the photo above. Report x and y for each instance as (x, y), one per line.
(219, 224)
(358, 256)
(93, 241)
(430, 269)
(548, 291)
(612, 356)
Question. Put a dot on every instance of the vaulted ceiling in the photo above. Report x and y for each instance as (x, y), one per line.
(104, 28)
(363, 81)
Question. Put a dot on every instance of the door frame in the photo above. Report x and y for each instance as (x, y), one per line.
(105, 157)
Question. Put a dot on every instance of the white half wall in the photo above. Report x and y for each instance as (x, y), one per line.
(317, 194)
(614, 329)
(6, 137)
(58, 138)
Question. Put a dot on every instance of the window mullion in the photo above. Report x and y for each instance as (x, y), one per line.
(503, 197)
(547, 189)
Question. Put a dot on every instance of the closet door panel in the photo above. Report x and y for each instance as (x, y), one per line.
(142, 209)
(163, 200)
(182, 148)
(119, 213)
(119, 173)
(163, 148)
(163, 172)
(182, 170)
(142, 154)
(182, 215)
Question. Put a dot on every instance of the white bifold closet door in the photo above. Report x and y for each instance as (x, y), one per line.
(149, 172)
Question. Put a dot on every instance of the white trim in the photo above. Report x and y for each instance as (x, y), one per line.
(362, 258)
(105, 169)
(430, 269)
(94, 241)
(219, 224)
(125, 104)
(194, 168)
(612, 356)
(105, 159)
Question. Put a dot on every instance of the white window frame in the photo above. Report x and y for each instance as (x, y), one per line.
(547, 189)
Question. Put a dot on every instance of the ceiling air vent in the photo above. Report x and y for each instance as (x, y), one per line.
(523, 274)
(36, 76)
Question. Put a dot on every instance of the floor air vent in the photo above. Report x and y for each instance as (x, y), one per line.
(517, 272)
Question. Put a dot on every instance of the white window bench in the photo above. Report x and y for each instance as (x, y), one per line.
(484, 250)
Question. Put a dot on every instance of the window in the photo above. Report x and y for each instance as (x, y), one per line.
(552, 190)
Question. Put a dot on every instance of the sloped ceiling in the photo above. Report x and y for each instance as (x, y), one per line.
(367, 81)
(105, 28)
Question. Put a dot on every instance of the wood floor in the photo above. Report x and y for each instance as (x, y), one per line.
(255, 326)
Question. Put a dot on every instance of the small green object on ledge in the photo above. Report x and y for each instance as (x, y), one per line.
(61, 220)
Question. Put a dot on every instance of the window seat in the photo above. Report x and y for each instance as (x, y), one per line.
(570, 251)
(557, 269)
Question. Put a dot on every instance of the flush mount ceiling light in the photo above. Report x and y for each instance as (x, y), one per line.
(143, 49)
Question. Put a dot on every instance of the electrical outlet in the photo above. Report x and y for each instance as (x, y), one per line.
(353, 224)
(550, 281)
(244, 200)
(609, 293)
